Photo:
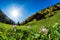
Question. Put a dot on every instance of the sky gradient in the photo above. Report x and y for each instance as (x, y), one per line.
(26, 7)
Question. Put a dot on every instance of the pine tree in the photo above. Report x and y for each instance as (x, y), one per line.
(18, 23)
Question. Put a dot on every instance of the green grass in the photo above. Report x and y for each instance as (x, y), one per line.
(46, 22)
(33, 32)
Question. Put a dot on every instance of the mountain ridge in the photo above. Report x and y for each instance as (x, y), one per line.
(5, 19)
(43, 14)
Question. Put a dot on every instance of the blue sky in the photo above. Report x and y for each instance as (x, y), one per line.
(26, 7)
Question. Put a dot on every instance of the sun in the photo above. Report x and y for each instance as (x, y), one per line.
(15, 13)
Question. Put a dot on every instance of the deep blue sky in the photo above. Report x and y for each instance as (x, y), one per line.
(29, 7)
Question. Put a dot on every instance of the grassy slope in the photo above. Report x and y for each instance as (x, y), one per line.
(34, 26)
(45, 22)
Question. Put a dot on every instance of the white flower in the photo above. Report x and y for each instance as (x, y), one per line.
(14, 27)
(43, 30)
(28, 27)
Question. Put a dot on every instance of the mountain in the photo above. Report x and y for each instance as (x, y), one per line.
(44, 29)
(43, 14)
(5, 19)
(43, 25)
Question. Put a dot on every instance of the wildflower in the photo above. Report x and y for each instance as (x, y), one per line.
(44, 30)
(28, 27)
(14, 27)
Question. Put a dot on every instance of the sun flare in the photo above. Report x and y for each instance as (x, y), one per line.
(14, 12)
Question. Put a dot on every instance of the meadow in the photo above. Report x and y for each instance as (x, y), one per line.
(45, 29)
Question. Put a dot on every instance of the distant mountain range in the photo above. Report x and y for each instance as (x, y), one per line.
(43, 14)
(5, 19)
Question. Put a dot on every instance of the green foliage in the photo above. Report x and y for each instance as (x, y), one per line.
(43, 14)
(34, 32)
(45, 29)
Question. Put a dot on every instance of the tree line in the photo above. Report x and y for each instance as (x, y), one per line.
(42, 14)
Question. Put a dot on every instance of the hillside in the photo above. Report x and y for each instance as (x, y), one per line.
(5, 19)
(43, 26)
(43, 14)
(46, 29)
(46, 22)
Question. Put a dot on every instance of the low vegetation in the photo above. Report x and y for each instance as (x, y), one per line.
(47, 28)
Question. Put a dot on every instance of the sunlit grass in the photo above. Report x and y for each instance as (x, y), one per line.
(33, 30)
